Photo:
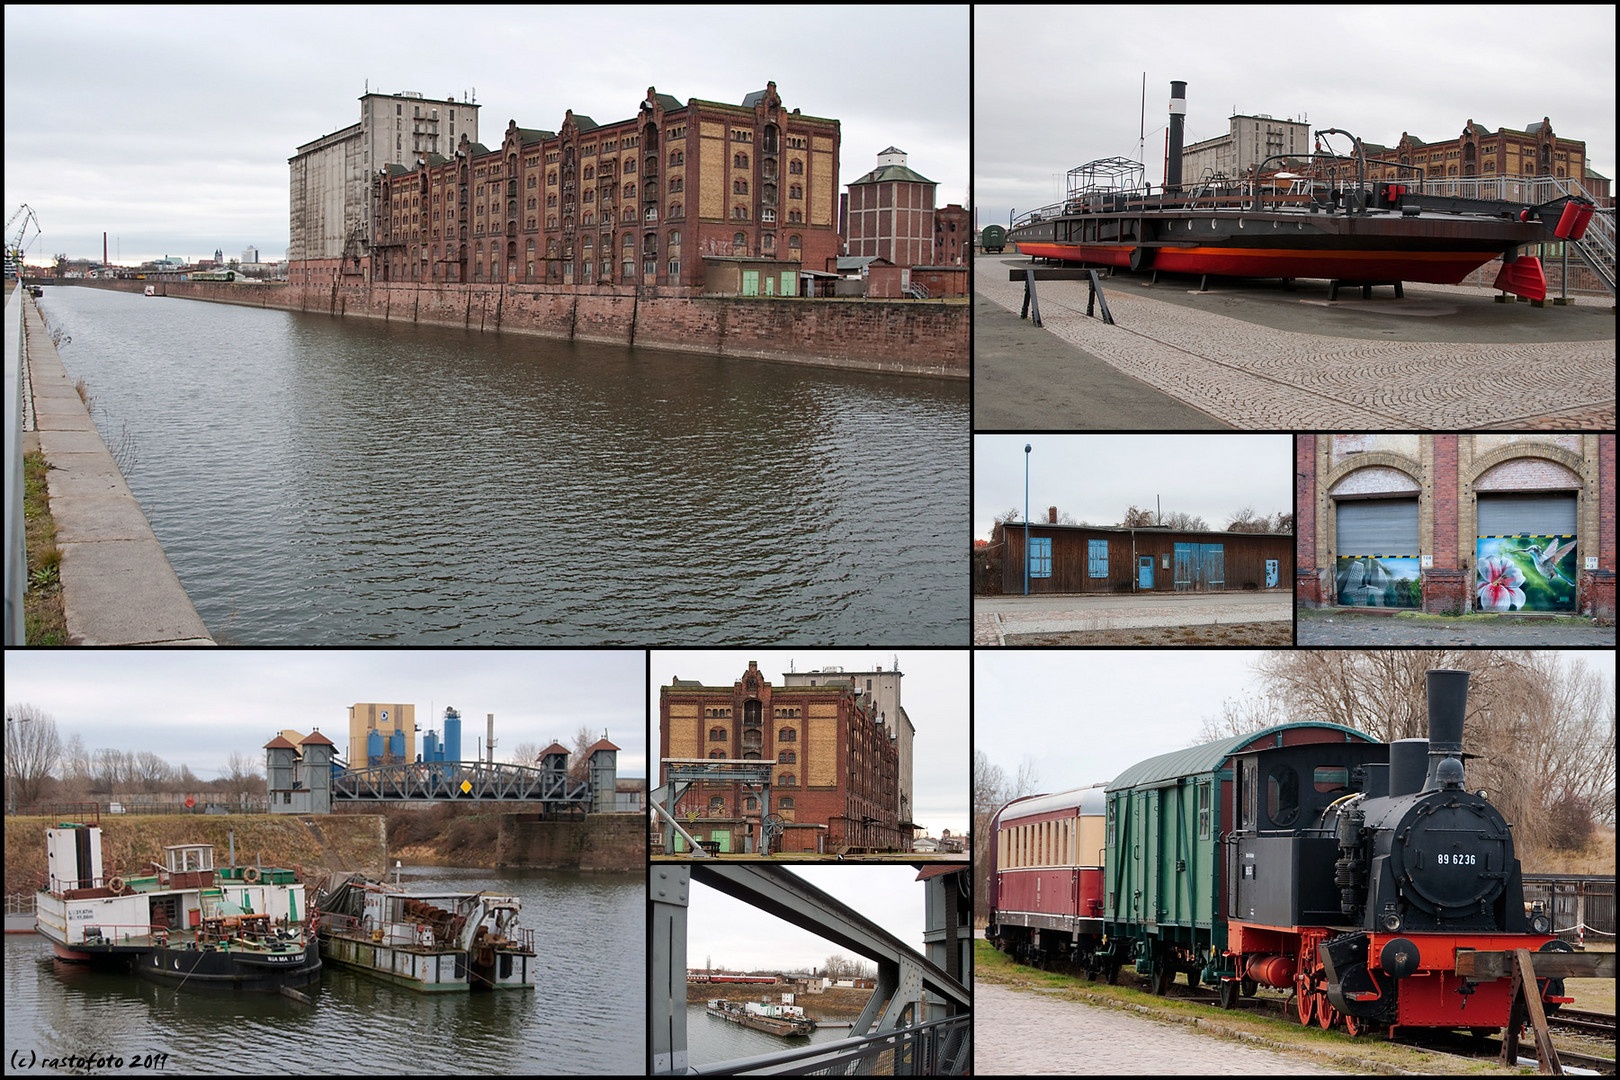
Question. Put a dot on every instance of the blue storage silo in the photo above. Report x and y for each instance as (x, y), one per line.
(396, 746)
(452, 735)
(430, 746)
(374, 748)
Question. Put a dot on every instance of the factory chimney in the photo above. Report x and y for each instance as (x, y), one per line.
(489, 743)
(1178, 115)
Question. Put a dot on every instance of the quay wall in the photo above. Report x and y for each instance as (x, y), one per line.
(599, 842)
(913, 337)
(347, 842)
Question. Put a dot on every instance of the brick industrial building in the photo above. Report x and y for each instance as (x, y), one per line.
(837, 778)
(1455, 523)
(682, 195)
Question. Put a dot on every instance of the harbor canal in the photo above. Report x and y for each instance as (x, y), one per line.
(711, 1039)
(587, 1013)
(324, 481)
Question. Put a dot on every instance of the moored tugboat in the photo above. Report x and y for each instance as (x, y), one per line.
(189, 924)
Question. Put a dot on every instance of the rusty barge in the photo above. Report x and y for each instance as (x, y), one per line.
(1313, 217)
(785, 1019)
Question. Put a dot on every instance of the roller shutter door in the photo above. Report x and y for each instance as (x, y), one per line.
(1525, 559)
(1529, 515)
(1378, 527)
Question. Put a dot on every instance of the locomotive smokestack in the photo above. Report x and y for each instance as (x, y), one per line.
(1448, 703)
(1178, 115)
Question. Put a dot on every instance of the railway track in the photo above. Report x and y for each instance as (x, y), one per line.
(1600, 1025)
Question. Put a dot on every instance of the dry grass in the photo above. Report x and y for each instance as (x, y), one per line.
(1597, 857)
(44, 621)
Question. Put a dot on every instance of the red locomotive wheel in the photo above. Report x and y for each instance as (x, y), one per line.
(1355, 1025)
(1306, 1002)
(1326, 1014)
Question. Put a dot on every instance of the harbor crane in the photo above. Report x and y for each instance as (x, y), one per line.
(15, 248)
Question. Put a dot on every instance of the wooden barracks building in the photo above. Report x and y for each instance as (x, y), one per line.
(737, 198)
(836, 780)
(1101, 559)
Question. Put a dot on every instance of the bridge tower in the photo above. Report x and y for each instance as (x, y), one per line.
(280, 757)
(604, 775)
(317, 770)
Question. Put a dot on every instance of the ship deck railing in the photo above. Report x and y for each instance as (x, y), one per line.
(935, 1048)
(152, 936)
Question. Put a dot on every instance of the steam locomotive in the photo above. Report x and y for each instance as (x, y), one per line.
(1304, 857)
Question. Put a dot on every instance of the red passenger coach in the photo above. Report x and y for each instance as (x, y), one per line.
(1046, 886)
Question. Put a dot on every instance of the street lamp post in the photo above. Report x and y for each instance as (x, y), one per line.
(1026, 519)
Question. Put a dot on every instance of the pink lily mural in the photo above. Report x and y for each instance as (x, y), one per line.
(1499, 584)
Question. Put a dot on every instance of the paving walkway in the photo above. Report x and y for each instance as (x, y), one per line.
(117, 585)
(1028, 1033)
(1254, 366)
(995, 618)
(1341, 627)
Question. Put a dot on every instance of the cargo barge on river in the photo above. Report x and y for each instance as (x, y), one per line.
(786, 1018)
(1289, 217)
(190, 923)
(433, 942)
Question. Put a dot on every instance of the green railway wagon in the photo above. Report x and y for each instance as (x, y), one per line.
(1164, 880)
(993, 239)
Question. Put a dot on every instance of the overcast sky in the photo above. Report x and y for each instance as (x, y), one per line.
(1096, 478)
(933, 691)
(742, 938)
(171, 127)
(1084, 716)
(197, 707)
(1058, 87)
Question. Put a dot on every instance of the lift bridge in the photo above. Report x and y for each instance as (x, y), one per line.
(918, 1021)
(307, 779)
(470, 780)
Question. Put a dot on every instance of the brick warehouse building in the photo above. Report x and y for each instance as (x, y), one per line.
(1455, 523)
(836, 779)
(660, 199)
(1101, 559)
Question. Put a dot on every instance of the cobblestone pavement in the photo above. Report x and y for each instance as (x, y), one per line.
(995, 617)
(1320, 627)
(1258, 377)
(1025, 1033)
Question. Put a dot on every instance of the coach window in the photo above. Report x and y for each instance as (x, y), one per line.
(1249, 793)
(1203, 810)
(1282, 796)
(1110, 823)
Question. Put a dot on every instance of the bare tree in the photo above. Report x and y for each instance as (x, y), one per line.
(1011, 514)
(110, 769)
(1136, 518)
(150, 772)
(241, 776)
(76, 762)
(1180, 519)
(525, 753)
(1283, 521)
(993, 789)
(1245, 521)
(579, 761)
(32, 749)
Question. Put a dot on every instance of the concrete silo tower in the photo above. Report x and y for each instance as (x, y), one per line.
(604, 775)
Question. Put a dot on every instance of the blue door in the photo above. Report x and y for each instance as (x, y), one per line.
(1145, 572)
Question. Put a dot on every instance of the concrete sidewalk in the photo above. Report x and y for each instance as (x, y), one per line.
(117, 585)
(997, 617)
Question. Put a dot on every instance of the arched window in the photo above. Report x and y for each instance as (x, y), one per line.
(796, 167)
(787, 757)
(717, 753)
(739, 187)
(717, 805)
(717, 734)
(793, 242)
(787, 780)
(739, 161)
(629, 191)
(674, 239)
(785, 804)
(739, 244)
(750, 803)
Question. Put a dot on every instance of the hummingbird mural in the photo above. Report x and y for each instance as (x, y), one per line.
(1547, 557)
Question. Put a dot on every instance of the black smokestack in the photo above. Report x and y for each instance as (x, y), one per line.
(1448, 703)
(1178, 115)
(1408, 762)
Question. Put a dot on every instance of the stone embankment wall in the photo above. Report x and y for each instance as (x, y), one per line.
(599, 842)
(926, 337)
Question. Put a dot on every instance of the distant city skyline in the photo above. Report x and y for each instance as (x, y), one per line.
(214, 174)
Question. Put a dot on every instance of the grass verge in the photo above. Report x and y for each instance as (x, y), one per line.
(43, 619)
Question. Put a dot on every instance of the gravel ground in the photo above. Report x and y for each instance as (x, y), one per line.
(1245, 635)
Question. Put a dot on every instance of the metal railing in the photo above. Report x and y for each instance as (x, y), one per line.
(935, 1048)
(16, 556)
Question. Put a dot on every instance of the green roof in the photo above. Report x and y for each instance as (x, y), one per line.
(888, 173)
(1200, 760)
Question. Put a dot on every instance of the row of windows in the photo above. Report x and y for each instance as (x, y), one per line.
(718, 734)
(717, 805)
(1044, 843)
